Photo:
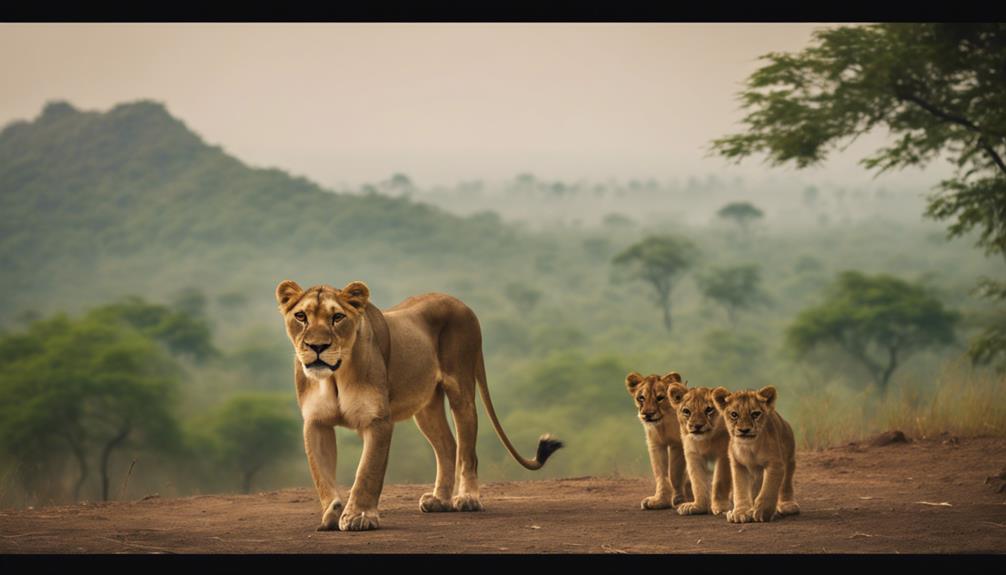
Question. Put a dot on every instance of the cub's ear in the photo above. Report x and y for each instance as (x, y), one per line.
(720, 396)
(677, 392)
(767, 394)
(672, 377)
(357, 293)
(632, 381)
(286, 292)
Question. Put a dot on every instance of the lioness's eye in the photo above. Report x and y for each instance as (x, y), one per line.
(710, 411)
(686, 411)
(661, 397)
(301, 316)
(755, 414)
(338, 317)
(640, 399)
(733, 415)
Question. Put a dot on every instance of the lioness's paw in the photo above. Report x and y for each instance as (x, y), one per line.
(788, 508)
(739, 516)
(761, 514)
(359, 521)
(430, 503)
(719, 507)
(692, 508)
(467, 502)
(330, 518)
(654, 502)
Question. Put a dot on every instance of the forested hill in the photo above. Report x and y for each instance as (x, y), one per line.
(97, 205)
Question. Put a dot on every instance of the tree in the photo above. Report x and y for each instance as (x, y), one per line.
(253, 430)
(659, 261)
(84, 389)
(938, 89)
(735, 288)
(742, 213)
(182, 332)
(877, 321)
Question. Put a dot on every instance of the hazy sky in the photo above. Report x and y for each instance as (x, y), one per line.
(348, 103)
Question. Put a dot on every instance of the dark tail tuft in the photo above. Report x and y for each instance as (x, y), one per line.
(547, 445)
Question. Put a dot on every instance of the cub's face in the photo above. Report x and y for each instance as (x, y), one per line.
(650, 395)
(322, 323)
(697, 413)
(745, 412)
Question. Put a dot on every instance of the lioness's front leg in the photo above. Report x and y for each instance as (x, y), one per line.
(361, 510)
(659, 463)
(742, 480)
(765, 503)
(677, 474)
(722, 483)
(320, 447)
(699, 476)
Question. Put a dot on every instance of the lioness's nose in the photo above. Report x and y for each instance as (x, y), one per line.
(318, 347)
(746, 430)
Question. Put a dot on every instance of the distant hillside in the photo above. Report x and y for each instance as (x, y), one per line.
(94, 205)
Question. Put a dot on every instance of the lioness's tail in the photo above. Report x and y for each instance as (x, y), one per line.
(546, 444)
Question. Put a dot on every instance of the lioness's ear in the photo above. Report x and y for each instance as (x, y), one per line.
(767, 394)
(357, 293)
(672, 377)
(632, 381)
(677, 393)
(720, 395)
(286, 292)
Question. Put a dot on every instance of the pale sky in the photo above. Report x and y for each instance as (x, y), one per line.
(353, 103)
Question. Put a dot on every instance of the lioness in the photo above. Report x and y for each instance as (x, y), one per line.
(705, 440)
(663, 439)
(365, 369)
(760, 442)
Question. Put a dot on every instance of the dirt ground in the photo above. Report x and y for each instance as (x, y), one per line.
(928, 496)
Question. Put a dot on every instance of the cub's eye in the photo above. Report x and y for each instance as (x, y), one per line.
(687, 412)
(338, 317)
(661, 397)
(301, 316)
(710, 411)
(640, 399)
(733, 415)
(755, 414)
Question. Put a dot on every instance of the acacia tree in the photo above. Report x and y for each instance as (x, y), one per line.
(735, 288)
(742, 213)
(877, 321)
(938, 89)
(253, 430)
(659, 261)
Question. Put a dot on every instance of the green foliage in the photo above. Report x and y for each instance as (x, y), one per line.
(743, 213)
(939, 89)
(522, 296)
(180, 331)
(659, 261)
(252, 431)
(735, 288)
(866, 316)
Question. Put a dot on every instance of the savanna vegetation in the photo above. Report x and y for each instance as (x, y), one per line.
(141, 350)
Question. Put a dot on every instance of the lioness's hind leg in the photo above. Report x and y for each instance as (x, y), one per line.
(432, 422)
(462, 399)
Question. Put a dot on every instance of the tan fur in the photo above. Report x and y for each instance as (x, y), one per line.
(663, 439)
(705, 440)
(383, 367)
(767, 451)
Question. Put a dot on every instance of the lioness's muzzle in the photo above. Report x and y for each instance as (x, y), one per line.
(319, 363)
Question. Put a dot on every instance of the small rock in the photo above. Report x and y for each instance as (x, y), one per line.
(889, 438)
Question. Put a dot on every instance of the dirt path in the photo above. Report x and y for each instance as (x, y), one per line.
(854, 499)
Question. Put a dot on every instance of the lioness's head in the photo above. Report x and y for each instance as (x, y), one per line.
(696, 410)
(650, 394)
(322, 323)
(745, 412)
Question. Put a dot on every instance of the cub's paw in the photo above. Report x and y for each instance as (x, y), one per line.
(678, 499)
(467, 502)
(330, 518)
(360, 521)
(430, 503)
(719, 507)
(761, 514)
(692, 508)
(654, 502)
(788, 508)
(740, 516)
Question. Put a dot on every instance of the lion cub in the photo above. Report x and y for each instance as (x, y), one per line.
(705, 441)
(662, 437)
(760, 442)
